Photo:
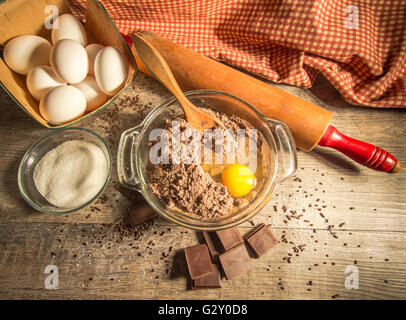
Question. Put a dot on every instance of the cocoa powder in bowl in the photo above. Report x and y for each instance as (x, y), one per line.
(187, 186)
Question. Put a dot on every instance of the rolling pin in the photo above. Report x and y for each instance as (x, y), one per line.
(309, 124)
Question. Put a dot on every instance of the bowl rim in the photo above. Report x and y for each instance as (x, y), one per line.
(47, 136)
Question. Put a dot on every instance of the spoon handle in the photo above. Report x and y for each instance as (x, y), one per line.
(157, 65)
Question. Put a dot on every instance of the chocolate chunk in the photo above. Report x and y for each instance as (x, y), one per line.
(235, 262)
(132, 195)
(208, 282)
(229, 238)
(213, 245)
(261, 239)
(198, 261)
(140, 213)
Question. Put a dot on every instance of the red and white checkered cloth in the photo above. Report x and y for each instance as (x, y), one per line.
(358, 45)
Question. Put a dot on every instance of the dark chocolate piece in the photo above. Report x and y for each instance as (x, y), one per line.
(229, 238)
(132, 195)
(210, 281)
(140, 213)
(235, 262)
(213, 245)
(198, 261)
(261, 239)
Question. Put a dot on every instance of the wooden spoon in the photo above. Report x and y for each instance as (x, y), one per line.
(157, 65)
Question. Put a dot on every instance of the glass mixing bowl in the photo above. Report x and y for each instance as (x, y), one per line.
(42, 147)
(279, 156)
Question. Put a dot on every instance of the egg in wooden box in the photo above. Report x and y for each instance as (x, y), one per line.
(62, 104)
(99, 28)
(69, 61)
(67, 26)
(94, 96)
(41, 79)
(23, 53)
(110, 70)
(92, 50)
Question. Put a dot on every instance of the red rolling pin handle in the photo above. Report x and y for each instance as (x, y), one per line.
(364, 153)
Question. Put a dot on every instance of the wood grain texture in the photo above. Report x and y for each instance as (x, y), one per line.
(351, 215)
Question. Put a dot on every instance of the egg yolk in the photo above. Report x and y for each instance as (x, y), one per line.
(238, 179)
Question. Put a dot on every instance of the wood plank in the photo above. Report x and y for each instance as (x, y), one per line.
(114, 270)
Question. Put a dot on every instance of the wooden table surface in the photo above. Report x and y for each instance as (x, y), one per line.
(353, 217)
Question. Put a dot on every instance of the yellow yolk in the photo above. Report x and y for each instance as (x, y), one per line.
(238, 179)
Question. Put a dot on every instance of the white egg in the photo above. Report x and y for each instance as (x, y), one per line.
(68, 26)
(92, 51)
(62, 104)
(111, 70)
(69, 61)
(40, 80)
(26, 52)
(95, 97)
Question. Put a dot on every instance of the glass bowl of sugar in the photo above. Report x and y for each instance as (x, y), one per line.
(65, 171)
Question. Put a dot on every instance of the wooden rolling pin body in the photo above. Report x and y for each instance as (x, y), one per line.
(192, 70)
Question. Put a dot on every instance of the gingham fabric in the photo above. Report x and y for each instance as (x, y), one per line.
(359, 45)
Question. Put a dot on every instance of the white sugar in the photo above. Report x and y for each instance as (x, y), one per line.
(71, 174)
